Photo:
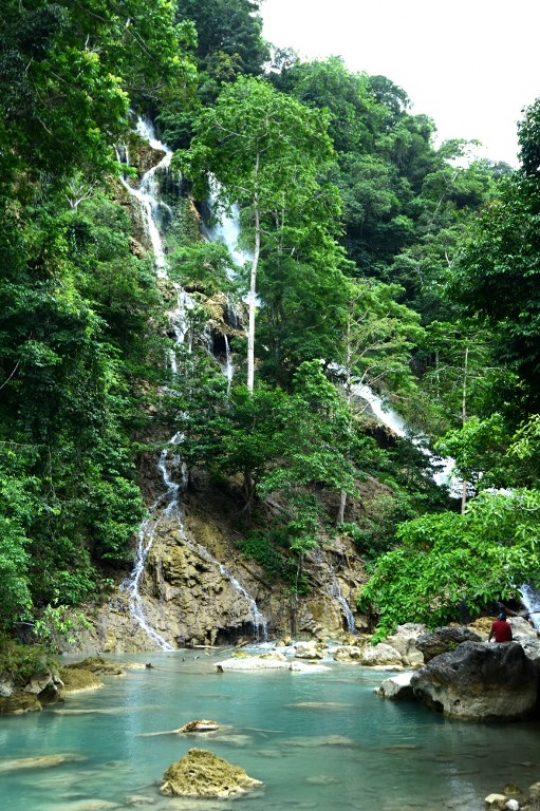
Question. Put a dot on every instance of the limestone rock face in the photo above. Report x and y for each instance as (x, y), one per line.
(202, 774)
(308, 650)
(197, 587)
(404, 639)
(44, 687)
(19, 703)
(480, 681)
(527, 637)
(397, 687)
(348, 653)
(380, 655)
(442, 640)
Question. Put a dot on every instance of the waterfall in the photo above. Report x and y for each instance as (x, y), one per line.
(228, 365)
(443, 469)
(530, 598)
(382, 412)
(345, 607)
(226, 229)
(168, 503)
(147, 195)
(334, 590)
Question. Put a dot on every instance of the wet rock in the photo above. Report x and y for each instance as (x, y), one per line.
(75, 679)
(39, 762)
(445, 639)
(308, 650)
(202, 725)
(253, 663)
(480, 681)
(381, 654)
(527, 636)
(99, 666)
(397, 687)
(19, 703)
(348, 653)
(495, 801)
(202, 774)
(307, 667)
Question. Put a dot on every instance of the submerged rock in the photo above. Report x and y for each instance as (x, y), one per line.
(39, 762)
(202, 774)
(480, 681)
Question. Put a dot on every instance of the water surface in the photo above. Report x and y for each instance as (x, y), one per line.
(317, 741)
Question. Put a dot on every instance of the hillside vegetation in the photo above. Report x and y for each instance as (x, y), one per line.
(373, 257)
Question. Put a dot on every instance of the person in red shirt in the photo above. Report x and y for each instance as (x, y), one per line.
(501, 630)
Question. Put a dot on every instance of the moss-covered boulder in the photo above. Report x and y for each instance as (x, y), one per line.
(19, 703)
(76, 679)
(99, 666)
(202, 774)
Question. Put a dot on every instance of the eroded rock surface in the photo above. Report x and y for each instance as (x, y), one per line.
(445, 639)
(480, 681)
(202, 774)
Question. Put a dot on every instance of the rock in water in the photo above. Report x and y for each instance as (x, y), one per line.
(202, 774)
(199, 725)
(480, 682)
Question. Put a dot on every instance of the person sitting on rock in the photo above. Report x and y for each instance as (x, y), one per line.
(501, 629)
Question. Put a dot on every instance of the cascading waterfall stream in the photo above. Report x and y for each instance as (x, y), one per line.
(530, 597)
(168, 504)
(443, 469)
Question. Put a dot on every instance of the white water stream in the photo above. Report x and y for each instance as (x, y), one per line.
(168, 504)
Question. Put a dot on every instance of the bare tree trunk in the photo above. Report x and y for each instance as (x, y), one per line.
(253, 288)
(342, 506)
(463, 421)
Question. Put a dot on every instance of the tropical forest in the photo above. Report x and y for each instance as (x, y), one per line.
(156, 373)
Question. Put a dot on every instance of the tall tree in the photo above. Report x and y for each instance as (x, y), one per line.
(266, 150)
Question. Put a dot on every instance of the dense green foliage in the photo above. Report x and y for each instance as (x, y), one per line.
(371, 257)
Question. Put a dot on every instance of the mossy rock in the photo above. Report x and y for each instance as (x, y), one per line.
(76, 678)
(19, 703)
(99, 666)
(202, 774)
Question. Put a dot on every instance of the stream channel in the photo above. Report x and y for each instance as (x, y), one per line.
(321, 741)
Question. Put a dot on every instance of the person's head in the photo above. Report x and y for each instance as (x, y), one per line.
(502, 615)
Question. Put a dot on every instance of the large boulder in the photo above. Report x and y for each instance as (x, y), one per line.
(43, 687)
(480, 681)
(381, 655)
(443, 640)
(308, 650)
(202, 774)
(405, 638)
(527, 636)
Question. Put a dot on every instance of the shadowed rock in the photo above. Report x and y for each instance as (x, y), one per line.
(480, 681)
(443, 640)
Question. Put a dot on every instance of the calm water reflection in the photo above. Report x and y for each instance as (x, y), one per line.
(321, 741)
